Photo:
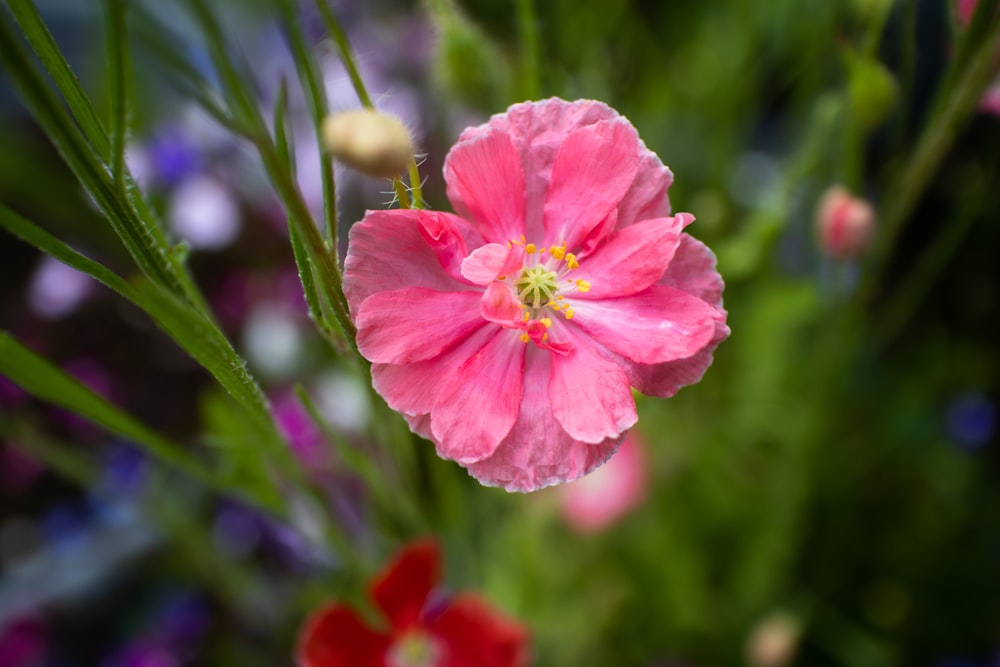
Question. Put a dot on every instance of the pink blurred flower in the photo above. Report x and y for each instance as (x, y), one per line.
(606, 495)
(511, 334)
(845, 224)
(990, 101)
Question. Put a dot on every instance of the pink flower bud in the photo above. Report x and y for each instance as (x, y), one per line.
(844, 223)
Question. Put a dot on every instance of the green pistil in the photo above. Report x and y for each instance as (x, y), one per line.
(536, 286)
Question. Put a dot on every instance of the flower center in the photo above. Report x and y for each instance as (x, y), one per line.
(542, 286)
(414, 649)
(536, 286)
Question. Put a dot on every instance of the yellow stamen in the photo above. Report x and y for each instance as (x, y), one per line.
(530, 248)
(546, 321)
(583, 285)
(545, 337)
(557, 251)
(571, 261)
(527, 316)
(569, 313)
(525, 338)
(560, 297)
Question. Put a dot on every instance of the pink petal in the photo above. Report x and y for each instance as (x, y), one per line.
(415, 323)
(443, 233)
(631, 259)
(692, 270)
(478, 406)
(537, 129)
(538, 452)
(491, 261)
(665, 380)
(610, 492)
(500, 305)
(647, 197)
(413, 388)
(592, 171)
(591, 396)
(657, 325)
(389, 250)
(486, 180)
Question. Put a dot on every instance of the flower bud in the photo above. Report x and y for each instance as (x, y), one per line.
(844, 224)
(372, 142)
(873, 91)
(774, 640)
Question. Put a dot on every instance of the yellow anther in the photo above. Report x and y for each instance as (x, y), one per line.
(571, 261)
(569, 313)
(527, 316)
(530, 248)
(551, 304)
(546, 321)
(583, 285)
(501, 277)
(560, 297)
(545, 337)
(525, 338)
(557, 251)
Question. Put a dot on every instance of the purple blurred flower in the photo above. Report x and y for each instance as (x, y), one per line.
(972, 420)
(173, 155)
(11, 395)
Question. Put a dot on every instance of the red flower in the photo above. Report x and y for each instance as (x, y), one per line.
(463, 632)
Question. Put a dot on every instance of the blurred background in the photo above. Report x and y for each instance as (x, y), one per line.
(829, 494)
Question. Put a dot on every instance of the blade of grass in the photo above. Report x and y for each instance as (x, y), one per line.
(144, 241)
(312, 84)
(248, 114)
(41, 379)
(415, 198)
(118, 68)
(38, 35)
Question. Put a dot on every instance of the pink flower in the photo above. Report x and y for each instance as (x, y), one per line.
(600, 499)
(512, 333)
(844, 223)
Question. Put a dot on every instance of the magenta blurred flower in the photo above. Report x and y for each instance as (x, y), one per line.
(609, 493)
(845, 224)
(18, 469)
(23, 642)
(511, 334)
(460, 631)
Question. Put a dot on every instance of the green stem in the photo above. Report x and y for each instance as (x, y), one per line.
(958, 102)
(527, 24)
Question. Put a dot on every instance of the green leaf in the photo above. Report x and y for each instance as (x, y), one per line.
(45, 47)
(41, 379)
(143, 239)
(312, 84)
(118, 68)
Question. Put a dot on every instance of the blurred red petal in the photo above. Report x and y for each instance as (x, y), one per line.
(474, 635)
(403, 587)
(335, 636)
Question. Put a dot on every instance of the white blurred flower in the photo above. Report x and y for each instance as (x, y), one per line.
(203, 212)
(56, 290)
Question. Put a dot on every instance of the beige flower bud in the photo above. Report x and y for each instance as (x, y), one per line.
(845, 224)
(774, 640)
(372, 142)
